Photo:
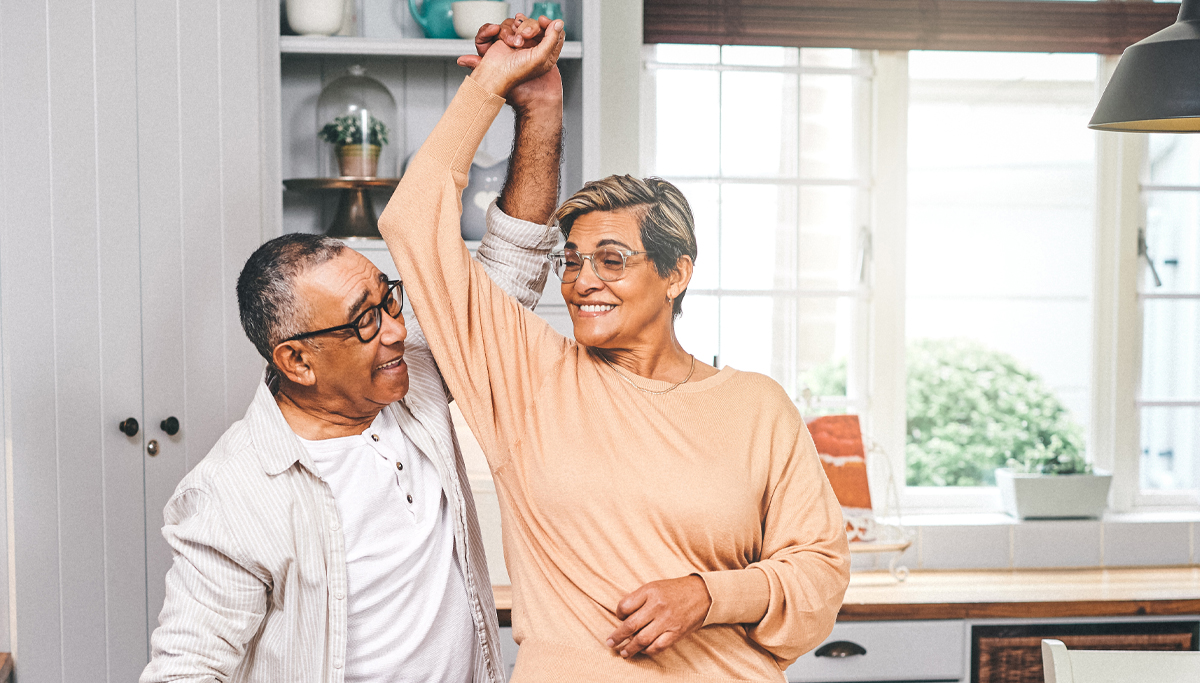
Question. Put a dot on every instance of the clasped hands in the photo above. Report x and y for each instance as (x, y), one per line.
(518, 59)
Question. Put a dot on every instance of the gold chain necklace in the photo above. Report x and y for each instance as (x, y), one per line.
(671, 388)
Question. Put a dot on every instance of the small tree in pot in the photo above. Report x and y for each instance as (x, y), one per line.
(358, 155)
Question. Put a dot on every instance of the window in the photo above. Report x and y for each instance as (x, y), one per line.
(1169, 293)
(1001, 218)
(770, 146)
(998, 239)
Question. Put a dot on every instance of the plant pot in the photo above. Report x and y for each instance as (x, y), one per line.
(1053, 496)
(358, 161)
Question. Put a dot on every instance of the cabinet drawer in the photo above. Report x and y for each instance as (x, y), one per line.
(895, 651)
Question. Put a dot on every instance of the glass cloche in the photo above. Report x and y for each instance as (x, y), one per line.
(359, 127)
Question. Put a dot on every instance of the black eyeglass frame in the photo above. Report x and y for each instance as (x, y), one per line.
(393, 286)
(557, 257)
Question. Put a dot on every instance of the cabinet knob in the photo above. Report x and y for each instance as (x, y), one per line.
(129, 427)
(170, 426)
(840, 649)
(152, 447)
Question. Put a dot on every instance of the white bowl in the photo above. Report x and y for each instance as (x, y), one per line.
(469, 15)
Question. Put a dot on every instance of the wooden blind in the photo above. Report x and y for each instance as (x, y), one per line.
(983, 25)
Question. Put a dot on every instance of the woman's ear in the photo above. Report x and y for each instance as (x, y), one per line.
(678, 279)
(292, 358)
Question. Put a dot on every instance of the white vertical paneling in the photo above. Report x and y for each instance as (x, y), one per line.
(117, 245)
(160, 152)
(245, 222)
(76, 349)
(199, 130)
(26, 280)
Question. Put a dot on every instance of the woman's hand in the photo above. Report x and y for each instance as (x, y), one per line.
(503, 67)
(517, 32)
(658, 614)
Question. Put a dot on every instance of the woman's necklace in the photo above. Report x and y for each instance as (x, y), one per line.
(671, 388)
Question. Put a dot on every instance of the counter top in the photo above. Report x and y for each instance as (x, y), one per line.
(1027, 594)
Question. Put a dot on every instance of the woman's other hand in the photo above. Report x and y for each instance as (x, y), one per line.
(658, 614)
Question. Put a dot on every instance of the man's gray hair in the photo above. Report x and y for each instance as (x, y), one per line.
(266, 288)
(665, 220)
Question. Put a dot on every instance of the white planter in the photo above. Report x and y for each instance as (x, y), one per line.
(1053, 496)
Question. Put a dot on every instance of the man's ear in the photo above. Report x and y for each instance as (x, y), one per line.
(293, 358)
(678, 279)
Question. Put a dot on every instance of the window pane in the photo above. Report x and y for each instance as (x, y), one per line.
(758, 237)
(1171, 349)
(825, 342)
(687, 54)
(999, 268)
(688, 128)
(705, 200)
(827, 126)
(756, 334)
(757, 55)
(1174, 159)
(1170, 448)
(830, 240)
(699, 326)
(1173, 241)
(758, 124)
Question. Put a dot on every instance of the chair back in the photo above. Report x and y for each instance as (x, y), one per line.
(1117, 666)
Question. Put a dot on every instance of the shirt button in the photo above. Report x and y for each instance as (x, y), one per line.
(410, 497)
(375, 437)
(334, 525)
(339, 594)
(399, 465)
(337, 663)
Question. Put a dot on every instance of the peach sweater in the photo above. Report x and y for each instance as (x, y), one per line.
(604, 488)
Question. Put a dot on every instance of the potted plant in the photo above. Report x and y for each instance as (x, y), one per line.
(358, 140)
(1052, 482)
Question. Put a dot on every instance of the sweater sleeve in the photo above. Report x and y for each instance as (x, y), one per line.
(790, 598)
(492, 353)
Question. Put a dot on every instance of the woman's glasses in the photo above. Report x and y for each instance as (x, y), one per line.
(608, 263)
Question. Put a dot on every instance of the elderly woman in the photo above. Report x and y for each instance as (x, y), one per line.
(663, 520)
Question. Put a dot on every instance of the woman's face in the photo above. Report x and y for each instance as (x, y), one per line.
(626, 313)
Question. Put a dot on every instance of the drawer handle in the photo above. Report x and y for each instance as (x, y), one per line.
(840, 649)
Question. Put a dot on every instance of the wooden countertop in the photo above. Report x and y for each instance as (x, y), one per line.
(1030, 594)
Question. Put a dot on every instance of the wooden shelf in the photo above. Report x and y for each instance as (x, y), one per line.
(409, 47)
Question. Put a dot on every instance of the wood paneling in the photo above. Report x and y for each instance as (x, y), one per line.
(1030, 26)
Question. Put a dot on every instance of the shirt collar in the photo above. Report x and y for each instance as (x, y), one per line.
(278, 446)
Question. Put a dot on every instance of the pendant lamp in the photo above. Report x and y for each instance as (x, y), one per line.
(1156, 87)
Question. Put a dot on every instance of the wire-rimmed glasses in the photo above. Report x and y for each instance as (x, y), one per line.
(608, 263)
(366, 325)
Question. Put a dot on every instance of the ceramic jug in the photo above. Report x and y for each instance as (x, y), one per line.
(435, 18)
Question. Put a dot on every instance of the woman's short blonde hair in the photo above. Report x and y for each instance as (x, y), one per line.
(668, 230)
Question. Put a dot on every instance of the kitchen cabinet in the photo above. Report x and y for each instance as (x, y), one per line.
(130, 176)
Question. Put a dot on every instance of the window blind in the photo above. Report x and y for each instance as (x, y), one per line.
(1106, 27)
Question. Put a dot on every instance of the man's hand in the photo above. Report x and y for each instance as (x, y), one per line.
(520, 52)
(658, 614)
(517, 32)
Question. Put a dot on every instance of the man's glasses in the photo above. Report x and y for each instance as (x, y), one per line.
(608, 263)
(367, 324)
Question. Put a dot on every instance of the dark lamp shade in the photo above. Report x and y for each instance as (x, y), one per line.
(1156, 87)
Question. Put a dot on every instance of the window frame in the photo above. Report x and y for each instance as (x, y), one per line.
(1114, 436)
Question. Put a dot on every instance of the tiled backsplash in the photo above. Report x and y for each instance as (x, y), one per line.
(1000, 542)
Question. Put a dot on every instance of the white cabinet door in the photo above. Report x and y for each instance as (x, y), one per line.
(201, 216)
(130, 194)
(70, 340)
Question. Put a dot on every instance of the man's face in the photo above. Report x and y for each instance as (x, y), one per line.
(353, 378)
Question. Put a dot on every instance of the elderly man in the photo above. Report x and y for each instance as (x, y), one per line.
(330, 535)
